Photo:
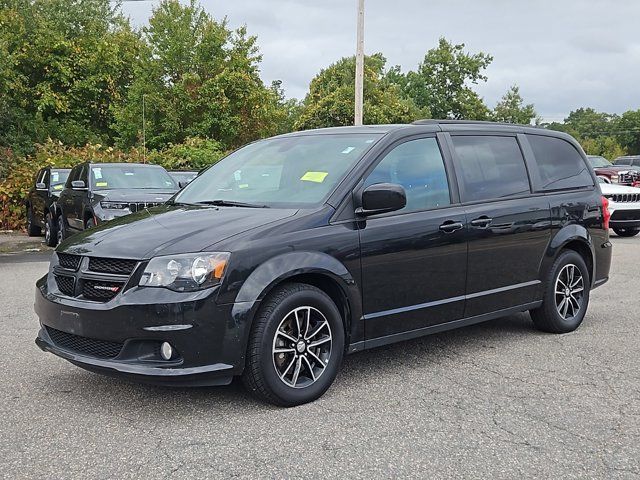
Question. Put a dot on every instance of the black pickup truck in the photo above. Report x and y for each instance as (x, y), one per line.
(41, 203)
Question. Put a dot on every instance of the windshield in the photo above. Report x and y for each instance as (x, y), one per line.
(58, 179)
(296, 172)
(108, 177)
(599, 162)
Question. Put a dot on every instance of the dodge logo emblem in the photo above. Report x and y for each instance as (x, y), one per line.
(105, 287)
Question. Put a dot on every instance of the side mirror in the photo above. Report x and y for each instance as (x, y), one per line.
(382, 198)
(182, 184)
(78, 185)
(41, 186)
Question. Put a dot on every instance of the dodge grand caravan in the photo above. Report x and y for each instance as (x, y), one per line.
(296, 250)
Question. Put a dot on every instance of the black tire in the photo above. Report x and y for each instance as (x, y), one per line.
(261, 376)
(50, 231)
(626, 232)
(32, 230)
(548, 317)
(90, 223)
(61, 230)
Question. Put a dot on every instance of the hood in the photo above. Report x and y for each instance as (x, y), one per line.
(616, 169)
(135, 195)
(612, 189)
(169, 229)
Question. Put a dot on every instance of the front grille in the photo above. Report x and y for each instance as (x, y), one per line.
(65, 284)
(625, 215)
(112, 265)
(84, 345)
(625, 197)
(628, 177)
(135, 207)
(68, 261)
(100, 291)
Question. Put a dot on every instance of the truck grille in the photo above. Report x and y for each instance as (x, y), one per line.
(68, 261)
(112, 265)
(625, 197)
(84, 345)
(625, 215)
(136, 207)
(628, 177)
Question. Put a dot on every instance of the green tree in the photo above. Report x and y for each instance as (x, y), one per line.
(442, 83)
(511, 108)
(330, 101)
(64, 65)
(587, 123)
(627, 131)
(197, 78)
(606, 146)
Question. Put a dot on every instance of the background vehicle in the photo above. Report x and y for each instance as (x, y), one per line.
(182, 177)
(41, 202)
(631, 160)
(292, 251)
(622, 174)
(624, 207)
(97, 192)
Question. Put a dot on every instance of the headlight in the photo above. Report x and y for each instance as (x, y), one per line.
(114, 205)
(185, 273)
(614, 178)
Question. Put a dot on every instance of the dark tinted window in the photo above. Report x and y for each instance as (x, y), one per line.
(417, 165)
(490, 167)
(75, 173)
(560, 164)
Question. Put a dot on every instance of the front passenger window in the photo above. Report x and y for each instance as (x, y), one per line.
(418, 167)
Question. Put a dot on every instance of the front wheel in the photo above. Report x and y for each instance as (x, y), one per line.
(566, 295)
(32, 229)
(626, 232)
(50, 231)
(62, 231)
(296, 346)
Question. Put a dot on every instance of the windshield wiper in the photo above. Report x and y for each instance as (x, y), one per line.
(231, 203)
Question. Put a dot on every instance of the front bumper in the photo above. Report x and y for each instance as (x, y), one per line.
(209, 339)
(624, 215)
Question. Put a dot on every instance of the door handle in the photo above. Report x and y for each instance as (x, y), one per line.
(450, 226)
(481, 222)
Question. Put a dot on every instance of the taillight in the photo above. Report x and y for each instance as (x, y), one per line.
(606, 214)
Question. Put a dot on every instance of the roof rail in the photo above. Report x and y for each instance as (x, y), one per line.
(431, 121)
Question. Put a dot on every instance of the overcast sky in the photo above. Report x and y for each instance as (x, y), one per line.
(564, 54)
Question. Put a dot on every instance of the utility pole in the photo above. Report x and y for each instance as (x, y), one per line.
(144, 133)
(359, 64)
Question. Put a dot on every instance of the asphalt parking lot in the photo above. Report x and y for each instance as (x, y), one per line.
(497, 400)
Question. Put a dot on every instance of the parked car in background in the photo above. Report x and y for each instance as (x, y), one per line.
(41, 202)
(182, 177)
(622, 174)
(624, 206)
(296, 250)
(630, 160)
(98, 192)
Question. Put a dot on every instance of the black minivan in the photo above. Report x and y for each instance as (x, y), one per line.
(295, 250)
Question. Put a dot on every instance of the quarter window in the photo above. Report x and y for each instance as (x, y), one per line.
(559, 163)
(417, 165)
(489, 167)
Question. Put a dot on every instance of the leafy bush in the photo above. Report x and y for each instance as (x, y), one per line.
(18, 172)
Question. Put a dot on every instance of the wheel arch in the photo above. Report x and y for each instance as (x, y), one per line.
(576, 238)
(314, 268)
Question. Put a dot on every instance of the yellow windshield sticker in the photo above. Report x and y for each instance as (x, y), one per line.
(243, 185)
(58, 187)
(317, 177)
(101, 184)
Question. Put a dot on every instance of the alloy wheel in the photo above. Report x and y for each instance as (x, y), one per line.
(569, 291)
(47, 232)
(302, 347)
(60, 234)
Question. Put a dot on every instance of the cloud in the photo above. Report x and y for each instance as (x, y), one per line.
(563, 54)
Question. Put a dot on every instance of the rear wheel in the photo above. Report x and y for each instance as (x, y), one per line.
(32, 229)
(90, 223)
(296, 346)
(50, 231)
(626, 232)
(566, 295)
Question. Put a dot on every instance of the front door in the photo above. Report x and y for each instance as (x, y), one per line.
(414, 260)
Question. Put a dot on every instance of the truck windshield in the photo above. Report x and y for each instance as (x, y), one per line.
(109, 177)
(597, 162)
(297, 171)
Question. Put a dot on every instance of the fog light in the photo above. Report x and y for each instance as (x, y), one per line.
(166, 351)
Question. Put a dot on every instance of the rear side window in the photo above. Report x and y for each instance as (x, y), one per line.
(559, 163)
(489, 167)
